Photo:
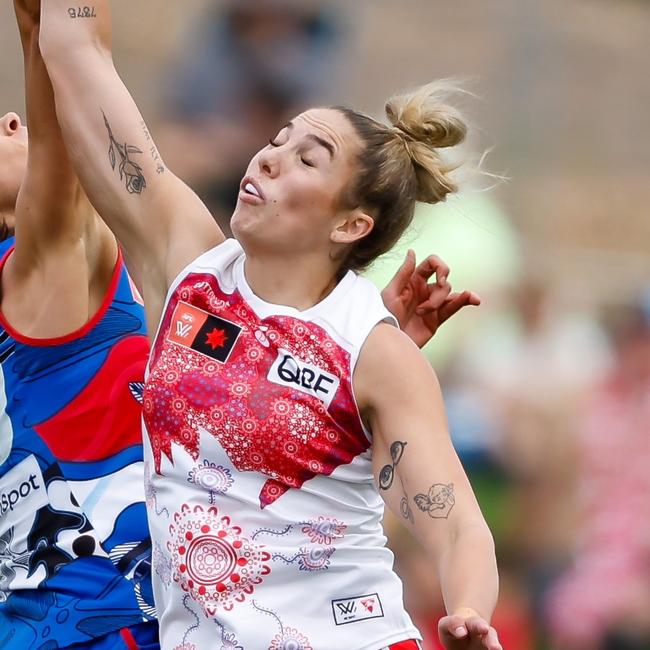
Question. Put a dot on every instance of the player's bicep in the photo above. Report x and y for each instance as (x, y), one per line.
(417, 470)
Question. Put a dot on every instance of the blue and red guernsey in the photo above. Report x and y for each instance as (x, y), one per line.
(75, 553)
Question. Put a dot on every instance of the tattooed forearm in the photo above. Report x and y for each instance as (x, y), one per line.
(387, 473)
(82, 12)
(438, 502)
(153, 151)
(119, 155)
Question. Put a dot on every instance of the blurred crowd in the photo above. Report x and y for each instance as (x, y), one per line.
(548, 398)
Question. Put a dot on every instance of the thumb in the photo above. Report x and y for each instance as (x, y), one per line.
(452, 627)
(404, 273)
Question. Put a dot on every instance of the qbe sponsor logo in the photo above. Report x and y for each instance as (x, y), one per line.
(359, 608)
(22, 491)
(294, 373)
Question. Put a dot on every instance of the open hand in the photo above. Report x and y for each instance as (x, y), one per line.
(467, 633)
(421, 307)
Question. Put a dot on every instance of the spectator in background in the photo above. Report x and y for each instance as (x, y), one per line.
(274, 56)
(601, 602)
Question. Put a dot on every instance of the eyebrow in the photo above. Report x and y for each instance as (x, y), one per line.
(312, 136)
(323, 143)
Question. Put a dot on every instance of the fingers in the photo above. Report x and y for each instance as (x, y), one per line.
(455, 302)
(398, 293)
(452, 628)
(404, 273)
(491, 640)
(438, 294)
(429, 266)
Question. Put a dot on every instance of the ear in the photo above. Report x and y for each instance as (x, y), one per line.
(356, 225)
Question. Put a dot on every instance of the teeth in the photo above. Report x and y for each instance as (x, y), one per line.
(251, 189)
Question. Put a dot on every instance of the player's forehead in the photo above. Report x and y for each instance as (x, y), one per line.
(330, 125)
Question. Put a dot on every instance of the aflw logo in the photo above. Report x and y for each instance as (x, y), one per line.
(349, 610)
(289, 371)
(183, 329)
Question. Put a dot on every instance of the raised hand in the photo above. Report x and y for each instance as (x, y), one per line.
(467, 633)
(419, 306)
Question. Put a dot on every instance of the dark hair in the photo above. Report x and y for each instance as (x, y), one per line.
(400, 165)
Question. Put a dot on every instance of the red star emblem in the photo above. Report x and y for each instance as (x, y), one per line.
(216, 338)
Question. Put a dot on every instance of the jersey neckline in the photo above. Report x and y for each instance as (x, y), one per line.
(265, 309)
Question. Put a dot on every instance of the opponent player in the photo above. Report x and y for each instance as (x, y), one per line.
(271, 364)
(75, 553)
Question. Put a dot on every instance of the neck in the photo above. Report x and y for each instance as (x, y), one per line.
(299, 282)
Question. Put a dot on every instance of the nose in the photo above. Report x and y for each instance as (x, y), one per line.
(269, 163)
(10, 124)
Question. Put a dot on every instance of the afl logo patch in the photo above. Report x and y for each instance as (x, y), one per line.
(202, 332)
(294, 373)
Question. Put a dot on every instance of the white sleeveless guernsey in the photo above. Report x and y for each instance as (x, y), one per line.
(263, 512)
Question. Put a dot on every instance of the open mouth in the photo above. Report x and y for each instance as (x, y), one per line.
(250, 188)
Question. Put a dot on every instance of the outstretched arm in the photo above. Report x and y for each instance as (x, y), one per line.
(160, 222)
(51, 211)
(421, 479)
(64, 256)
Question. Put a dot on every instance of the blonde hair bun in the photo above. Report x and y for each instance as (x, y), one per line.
(425, 122)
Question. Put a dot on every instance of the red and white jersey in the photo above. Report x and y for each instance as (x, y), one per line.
(263, 511)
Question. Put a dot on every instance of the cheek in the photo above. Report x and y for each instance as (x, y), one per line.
(315, 196)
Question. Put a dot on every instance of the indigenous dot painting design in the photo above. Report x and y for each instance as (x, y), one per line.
(323, 530)
(228, 639)
(162, 564)
(150, 492)
(284, 433)
(211, 477)
(212, 560)
(288, 638)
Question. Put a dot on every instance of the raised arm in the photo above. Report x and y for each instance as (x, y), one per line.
(421, 479)
(159, 221)
(51, 213)
(63, 255)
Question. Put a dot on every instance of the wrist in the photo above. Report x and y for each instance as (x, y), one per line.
(465, 612)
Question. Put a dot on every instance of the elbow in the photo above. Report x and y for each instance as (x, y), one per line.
(63, 49)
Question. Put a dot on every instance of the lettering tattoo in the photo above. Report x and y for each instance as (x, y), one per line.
(153, 151)
(82, 12)
(119, 155)
(387, 473)
(438, 502)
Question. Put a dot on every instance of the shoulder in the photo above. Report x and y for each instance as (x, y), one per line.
(354, 309)
(390, 365)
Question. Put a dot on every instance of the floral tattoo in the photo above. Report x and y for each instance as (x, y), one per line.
(119, 155)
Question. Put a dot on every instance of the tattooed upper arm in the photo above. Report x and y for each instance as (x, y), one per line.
(387, 473)
(438, 502)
